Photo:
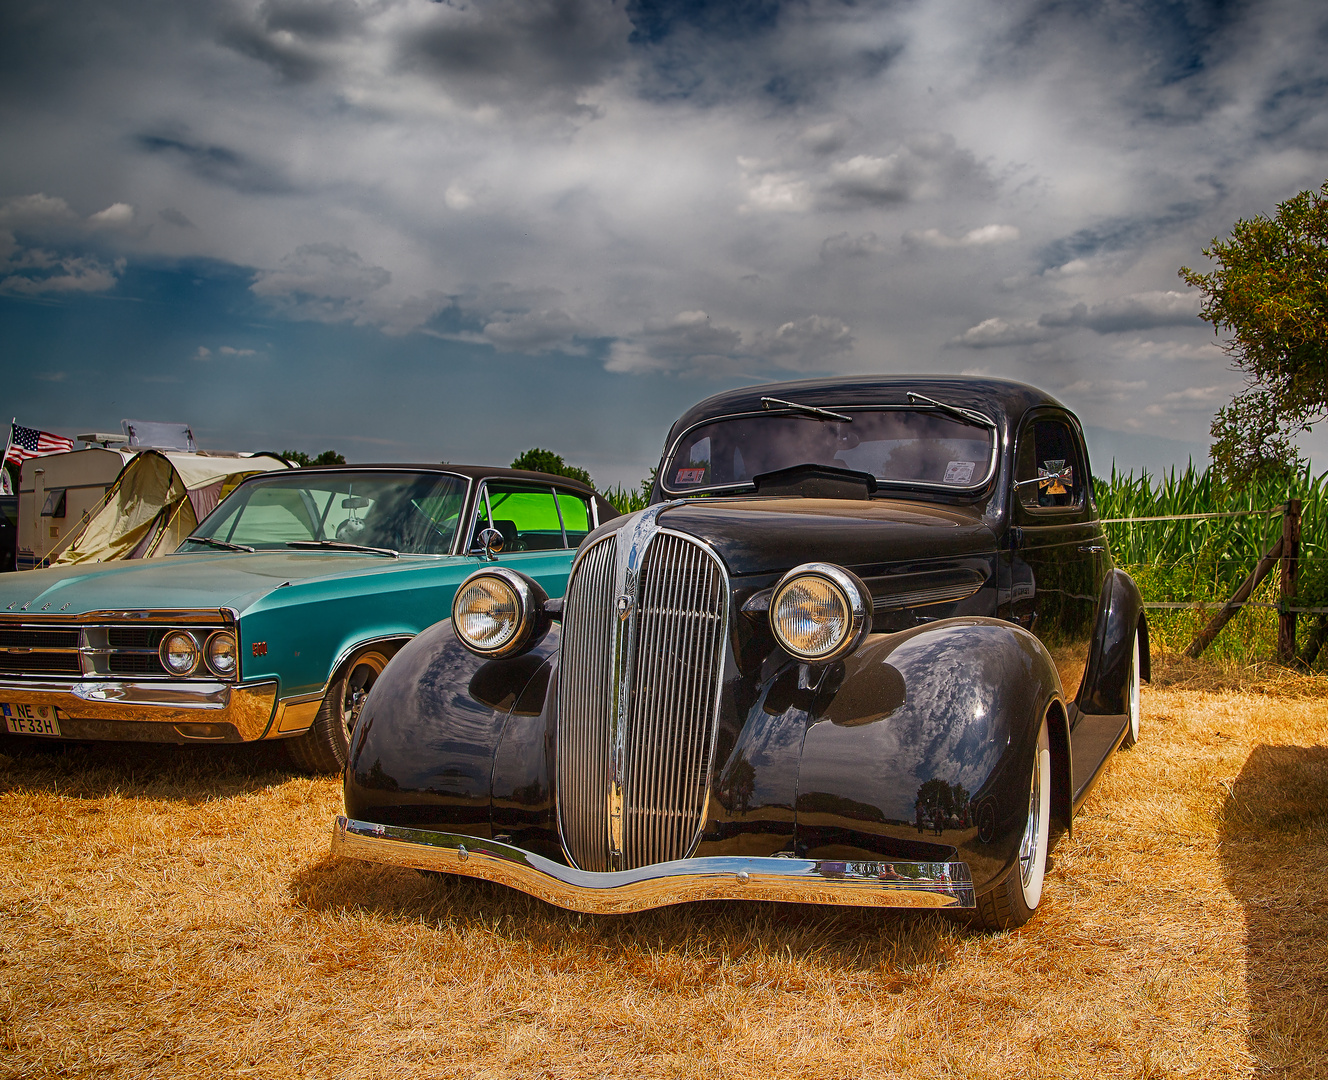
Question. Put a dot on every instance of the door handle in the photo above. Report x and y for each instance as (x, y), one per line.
(1093, 549)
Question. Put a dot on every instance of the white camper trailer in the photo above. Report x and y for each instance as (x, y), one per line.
(57, 493)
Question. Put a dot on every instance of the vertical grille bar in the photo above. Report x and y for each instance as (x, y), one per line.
(682, 612)
(585, 705)
(681, 615)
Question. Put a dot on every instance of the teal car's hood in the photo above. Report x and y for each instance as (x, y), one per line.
(207, 580)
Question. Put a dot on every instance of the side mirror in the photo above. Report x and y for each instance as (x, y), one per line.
(490, 543)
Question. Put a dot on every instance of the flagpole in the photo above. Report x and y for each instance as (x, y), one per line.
(4, 461)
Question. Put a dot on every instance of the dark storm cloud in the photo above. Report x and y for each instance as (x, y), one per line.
(782, 53)
(289, 35)
(510, 52)
(218, 164)
(1117, 234)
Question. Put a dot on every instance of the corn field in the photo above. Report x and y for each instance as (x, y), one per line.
(1205, 560)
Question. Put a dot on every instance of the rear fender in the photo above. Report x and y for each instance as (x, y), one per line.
(1120, 613)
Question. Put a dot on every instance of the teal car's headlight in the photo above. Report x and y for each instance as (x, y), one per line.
(820, 612)
(180, 653)
(498, 612)
(222, 654)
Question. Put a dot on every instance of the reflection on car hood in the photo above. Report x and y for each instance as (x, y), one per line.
(770, 535)
(206, 580)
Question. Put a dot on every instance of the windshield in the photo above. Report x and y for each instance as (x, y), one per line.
(897, 446)
(413, 513)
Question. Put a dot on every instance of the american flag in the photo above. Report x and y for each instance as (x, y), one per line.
(26, 442)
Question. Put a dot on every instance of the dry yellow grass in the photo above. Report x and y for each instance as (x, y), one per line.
(176, 914)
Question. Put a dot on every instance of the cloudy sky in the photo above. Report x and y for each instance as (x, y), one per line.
(416, 230)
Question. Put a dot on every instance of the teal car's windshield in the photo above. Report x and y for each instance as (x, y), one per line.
(411, 513)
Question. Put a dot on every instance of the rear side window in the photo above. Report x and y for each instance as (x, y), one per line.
(1050, 471)
(527, 517)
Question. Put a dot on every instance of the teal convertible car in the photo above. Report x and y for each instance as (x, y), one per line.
(275, 617)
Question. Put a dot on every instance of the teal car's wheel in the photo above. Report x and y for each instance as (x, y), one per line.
(1013, 902)
(325, 747)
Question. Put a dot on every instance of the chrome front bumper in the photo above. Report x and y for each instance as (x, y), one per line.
(802, 881)
(193, 710)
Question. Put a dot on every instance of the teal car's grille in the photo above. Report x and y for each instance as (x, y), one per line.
(88, 650)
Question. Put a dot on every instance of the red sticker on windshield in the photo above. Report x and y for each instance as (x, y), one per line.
(690, 476)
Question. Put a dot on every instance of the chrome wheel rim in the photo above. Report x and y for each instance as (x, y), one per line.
(1134, 691)
(358, 684)
(1028, 846)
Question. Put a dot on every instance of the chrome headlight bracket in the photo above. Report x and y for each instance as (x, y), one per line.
(851, 596)
(531, 620)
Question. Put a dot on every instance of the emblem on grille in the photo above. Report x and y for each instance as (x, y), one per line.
(624, 606)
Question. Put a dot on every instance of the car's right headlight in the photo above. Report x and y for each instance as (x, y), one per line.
(498, 612)
(820, 612)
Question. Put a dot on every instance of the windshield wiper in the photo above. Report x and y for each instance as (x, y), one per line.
(807, 410)
(967, 415)
(337, 545)
(223, 545)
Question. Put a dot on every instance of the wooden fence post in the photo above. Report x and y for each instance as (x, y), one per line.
(1233, 605)
(1286, 620)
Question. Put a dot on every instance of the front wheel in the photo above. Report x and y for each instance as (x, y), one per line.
(325, 747)
(1132, 698)
(1013, 902)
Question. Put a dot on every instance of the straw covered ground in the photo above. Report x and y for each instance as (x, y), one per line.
(171, 913)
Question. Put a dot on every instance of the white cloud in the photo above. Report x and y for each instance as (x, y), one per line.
(228, 350)
(115, 216)
(994, 332)
(41, 273)
(806, 343)
(534, 332)
(323, 282)
(983, 236)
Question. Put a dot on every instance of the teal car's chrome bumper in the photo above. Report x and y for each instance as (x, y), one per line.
(804, 881)
(184, 711)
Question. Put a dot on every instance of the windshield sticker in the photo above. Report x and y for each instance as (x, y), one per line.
(959, 472)
(690, 476)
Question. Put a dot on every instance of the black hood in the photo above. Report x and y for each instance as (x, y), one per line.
(770, 535)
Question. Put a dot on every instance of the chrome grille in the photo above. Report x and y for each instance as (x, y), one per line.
(585, 706)
(671, 647)
(88, 649)
(676, 678)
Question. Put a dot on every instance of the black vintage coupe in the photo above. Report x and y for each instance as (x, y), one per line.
(831, 662)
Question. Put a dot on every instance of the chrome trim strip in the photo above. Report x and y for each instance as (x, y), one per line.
(887, 884)
(127, 617)
(248, 708)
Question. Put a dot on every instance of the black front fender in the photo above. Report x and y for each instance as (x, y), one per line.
(919, 745)
(448, 738)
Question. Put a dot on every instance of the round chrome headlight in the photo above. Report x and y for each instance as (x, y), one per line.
(499, 612)
(221, 654)
(179, 653)
(820, 612)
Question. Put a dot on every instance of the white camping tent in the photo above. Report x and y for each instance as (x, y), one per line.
(157, 500)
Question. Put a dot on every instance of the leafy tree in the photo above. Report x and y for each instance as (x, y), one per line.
(1270, 290)
(538, 460)
(327, 457)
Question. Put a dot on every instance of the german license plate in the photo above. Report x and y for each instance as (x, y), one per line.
(30, 719)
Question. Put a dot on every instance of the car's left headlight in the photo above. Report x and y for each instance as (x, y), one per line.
(498, 612)
(820, 612)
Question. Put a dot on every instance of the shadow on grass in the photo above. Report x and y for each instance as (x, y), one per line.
(1275, 861)
(842, 938)
(190, 773)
